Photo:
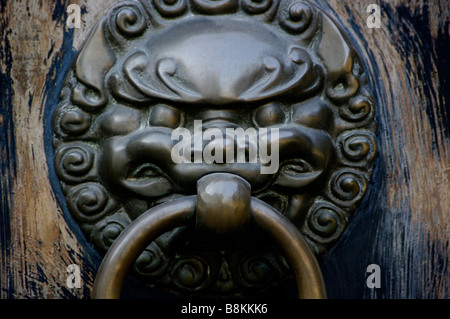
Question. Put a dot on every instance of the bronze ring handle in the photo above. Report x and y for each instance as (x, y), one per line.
(160, 219)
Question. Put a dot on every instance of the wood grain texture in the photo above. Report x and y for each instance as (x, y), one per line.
(402, 225)
(37, 244)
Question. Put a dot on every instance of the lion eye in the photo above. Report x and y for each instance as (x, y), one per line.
(297, 167)
(148, 180)
(145, 171)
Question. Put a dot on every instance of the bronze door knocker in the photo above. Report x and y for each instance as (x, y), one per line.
(214, 147)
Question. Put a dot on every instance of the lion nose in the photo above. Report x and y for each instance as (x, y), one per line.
(220, 141)
(217, 145)
(219, 118)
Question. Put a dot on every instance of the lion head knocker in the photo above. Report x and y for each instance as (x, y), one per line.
(154, 66)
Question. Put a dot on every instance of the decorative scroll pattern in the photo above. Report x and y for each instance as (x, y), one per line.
(170, 8)
(89, 202)
(300, 18)
(108, 229)
(115, 115)
(127, 20)
(356, 148)
(325, 224)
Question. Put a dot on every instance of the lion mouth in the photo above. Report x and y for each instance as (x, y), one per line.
(141, 162)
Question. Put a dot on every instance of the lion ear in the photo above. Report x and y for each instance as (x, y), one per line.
(91, 65)
(338, 58)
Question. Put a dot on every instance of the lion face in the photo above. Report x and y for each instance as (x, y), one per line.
(152, 106)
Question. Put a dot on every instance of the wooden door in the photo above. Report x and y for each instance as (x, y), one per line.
(402, 224)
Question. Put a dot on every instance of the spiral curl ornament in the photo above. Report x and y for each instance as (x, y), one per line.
(299, 18)
(257, 269)
(356, 148)
(88, 202)
(73, 122)
(131, 21)
(108, 229)
(90, 99)
(215, 6)
(360, 110)
(325, 223)
(74, 162)
(342, 87)
(190, 273)
(151, 263)
(170, 8)
(127, 19)
(347, 187)
(257, 6)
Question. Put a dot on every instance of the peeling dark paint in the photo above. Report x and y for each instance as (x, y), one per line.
(59, 12)
(56, 74)
(378, 233)
(8, 170)
(30, 100)
(375, 228)
(2, 5)
(415, 41)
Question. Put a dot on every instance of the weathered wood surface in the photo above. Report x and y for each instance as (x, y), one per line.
(403, 224)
